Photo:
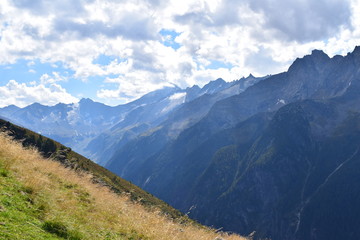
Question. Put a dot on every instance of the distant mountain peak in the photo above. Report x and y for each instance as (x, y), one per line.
(35, 105)
(219, 80)
(12, 106)
(216, 82)
(86, 100)
(193, 87)
(318, 52)
(319, 55)
(356, 51)
(250, 76)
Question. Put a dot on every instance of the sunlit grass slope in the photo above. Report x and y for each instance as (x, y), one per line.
(41, 199)
(48, 147)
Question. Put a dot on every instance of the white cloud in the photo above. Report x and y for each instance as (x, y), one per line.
(21, 94)
(130, 87)
(261, 37)
(48, 79)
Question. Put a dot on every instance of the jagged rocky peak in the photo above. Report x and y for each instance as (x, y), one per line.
(245, 78)
(216, 82)
(318, 52)
(214, 85)
(355, 55)
(193, 88)
(192, 92)
(319, 55)
(317, 58)
(356, 51)
(251, 76)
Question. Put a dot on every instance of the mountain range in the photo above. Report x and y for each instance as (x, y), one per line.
(97, 130)
(277, 155)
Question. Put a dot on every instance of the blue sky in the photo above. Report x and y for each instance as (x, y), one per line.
(115, 51)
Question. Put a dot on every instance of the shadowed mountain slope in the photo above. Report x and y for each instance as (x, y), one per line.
(271, 159)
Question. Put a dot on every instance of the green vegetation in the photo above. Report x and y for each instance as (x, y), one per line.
(27, 212)
(50, 148)
(19, 216)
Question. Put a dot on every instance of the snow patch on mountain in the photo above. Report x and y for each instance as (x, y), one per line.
(73, 114)
(174, 100)
(180, 95)
(281, 101)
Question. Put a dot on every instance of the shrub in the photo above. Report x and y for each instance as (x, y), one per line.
(60, 230)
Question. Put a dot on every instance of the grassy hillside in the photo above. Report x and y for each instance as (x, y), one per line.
(41, 199)
(50, 148)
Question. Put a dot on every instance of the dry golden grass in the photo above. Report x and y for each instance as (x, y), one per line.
(87, 208)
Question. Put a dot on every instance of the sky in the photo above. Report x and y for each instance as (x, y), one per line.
(114, 51)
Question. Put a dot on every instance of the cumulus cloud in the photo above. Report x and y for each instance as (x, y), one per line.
(304, 21)
(129, 27)
(248, 36)
(47, 7)
(128, 88)
(21, 94)
(296, 20)
(206, 14)
(56, 77)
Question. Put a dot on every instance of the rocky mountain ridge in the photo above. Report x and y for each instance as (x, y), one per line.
(266, 159)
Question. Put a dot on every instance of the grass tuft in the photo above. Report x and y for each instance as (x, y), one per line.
(59, 229)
